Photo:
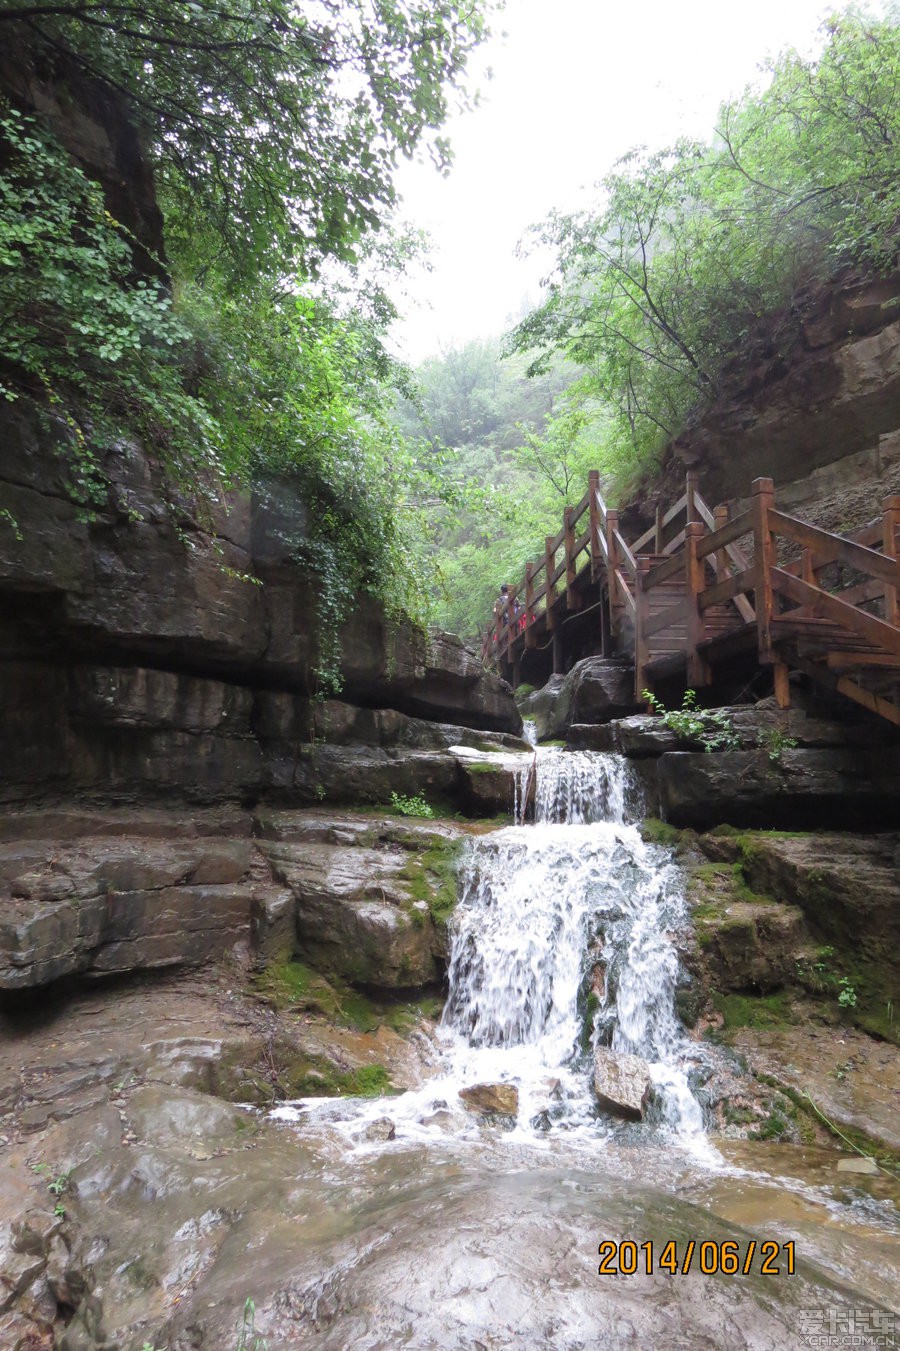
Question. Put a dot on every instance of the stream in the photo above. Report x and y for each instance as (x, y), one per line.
(449, 1230)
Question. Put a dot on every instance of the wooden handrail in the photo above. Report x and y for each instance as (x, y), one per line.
(581, 508)
(729, 589)
(827, 606)
(835, 548)
(740, 525)
(663, 571)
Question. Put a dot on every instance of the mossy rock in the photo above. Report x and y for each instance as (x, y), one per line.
(760, 1011)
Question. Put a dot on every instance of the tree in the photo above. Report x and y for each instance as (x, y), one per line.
(690, 246)
(274, 126)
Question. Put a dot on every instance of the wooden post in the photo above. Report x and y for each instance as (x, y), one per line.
(697, 669)
(550, 588)
(596, 523)
(807, 571)
(529, 604)
(616, 602)
(658, 536)
(569, 545)
(720, 516)
(641, 614)
(762, 502)
(782, 685)
(690, 488)
(890, 526)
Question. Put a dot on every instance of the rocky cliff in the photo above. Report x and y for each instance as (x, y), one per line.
(813, 402)
(154, 646)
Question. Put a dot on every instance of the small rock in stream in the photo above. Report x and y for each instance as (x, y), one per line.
(490, 1099)
(381, 1129)
(622, 1083)
(857, 1166)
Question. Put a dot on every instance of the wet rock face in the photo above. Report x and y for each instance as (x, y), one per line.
(791, 769)
(117, 905)
(805, 790)
(112, 683)
(358, 896)
(125, 733)
(622, 1083)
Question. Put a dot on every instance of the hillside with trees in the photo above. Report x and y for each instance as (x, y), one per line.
(695, 261)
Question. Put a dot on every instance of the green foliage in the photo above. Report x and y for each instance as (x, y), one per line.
(691, 246)
(247, 1338)
(482, 417)
(774, 742)
(411, 806)
(78, 332)
(57, 1185)
(847, 995)
(713, 730)
(273, 126)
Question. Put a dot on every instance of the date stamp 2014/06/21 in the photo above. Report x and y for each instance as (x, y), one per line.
(710, 1258)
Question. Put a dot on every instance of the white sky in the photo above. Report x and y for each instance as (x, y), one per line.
(576, 84)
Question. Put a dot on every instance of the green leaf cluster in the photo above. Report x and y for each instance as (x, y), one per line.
(713, 730)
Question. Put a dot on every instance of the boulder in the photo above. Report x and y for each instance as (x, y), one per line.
(622, 1083)
(596, 690)
(490, 1099)
(538, 706)
(495, 784)
(378, 1131)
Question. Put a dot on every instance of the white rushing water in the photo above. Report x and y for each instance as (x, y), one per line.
(561, 942)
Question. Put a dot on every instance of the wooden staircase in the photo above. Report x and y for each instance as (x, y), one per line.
(762, 586)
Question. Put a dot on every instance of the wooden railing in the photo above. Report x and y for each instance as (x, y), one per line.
(807, 598)
(590, 538)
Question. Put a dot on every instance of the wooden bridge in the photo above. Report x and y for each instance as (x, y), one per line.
(703, 595)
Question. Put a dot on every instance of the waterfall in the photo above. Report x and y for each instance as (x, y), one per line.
(561, 942)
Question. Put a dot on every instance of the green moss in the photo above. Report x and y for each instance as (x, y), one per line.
(654, 831)
(741, 1010)
(560, 745)
(293, 985)
(592, 1004)
(316, 1077)
(523, 691)
(775, 1127)
(431, 877)
(810, 1120)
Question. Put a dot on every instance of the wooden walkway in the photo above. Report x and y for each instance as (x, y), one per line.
(702, 591)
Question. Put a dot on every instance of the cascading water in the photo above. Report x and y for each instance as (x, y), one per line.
(560, 945)
(561, 942)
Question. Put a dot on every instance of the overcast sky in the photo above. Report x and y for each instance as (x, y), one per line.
(575, 84)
